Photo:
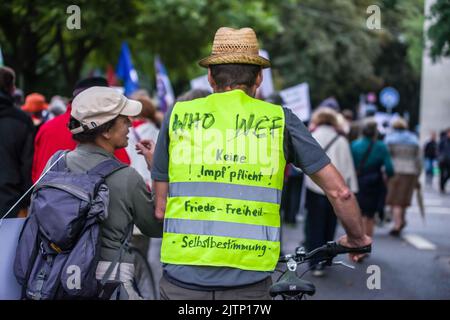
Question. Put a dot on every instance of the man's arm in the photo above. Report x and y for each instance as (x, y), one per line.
(345, 206)
(161, 189)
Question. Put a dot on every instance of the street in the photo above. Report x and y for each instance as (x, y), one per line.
(414, 266)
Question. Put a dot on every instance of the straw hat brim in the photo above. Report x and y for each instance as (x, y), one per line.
(229, 58)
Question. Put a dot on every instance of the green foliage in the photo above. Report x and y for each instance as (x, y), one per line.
(325, 43)
(439, 31)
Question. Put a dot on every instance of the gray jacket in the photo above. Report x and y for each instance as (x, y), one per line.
(130, 201)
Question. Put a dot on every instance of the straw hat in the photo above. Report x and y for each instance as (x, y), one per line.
(235, 46)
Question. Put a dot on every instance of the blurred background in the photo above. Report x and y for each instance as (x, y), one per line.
(385, 59)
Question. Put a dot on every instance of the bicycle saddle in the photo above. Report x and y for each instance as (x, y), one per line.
(291, 285)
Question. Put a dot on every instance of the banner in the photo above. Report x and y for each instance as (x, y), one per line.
(266, 88)
(296, 98)
(166, 96)
(201, 83)
(9, 236)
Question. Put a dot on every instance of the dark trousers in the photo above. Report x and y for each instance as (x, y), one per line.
(320, 224)
(290, 198)
(444, 167)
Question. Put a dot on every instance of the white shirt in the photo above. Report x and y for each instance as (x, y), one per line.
(340, 156)
(144, 131)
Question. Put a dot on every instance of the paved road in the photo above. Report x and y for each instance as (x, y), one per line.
(416, 266)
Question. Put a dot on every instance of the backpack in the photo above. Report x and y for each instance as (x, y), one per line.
(58, 248)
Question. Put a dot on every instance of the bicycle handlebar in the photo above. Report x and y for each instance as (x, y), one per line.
(290, 285)
(325, 252)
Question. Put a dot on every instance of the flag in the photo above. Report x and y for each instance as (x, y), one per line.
(164, 88)
(266, 88)
(126, 71)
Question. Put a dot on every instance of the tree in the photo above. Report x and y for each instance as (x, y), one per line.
(400, 58)
(181, 32)
(46, 55)
(439, 31)
(327, 45)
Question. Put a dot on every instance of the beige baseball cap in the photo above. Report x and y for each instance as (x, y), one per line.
(98, 105)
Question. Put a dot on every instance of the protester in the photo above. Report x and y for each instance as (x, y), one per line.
(320, 224)
(36, 106)
(54, 134)
(290, 197)
(345, 119)
(404, 149)
(142, 128)
(57, 107)
(444, 160)
(99, 123)
(16, 145)
(18, 98)
(430, 155)
(371, 156)
(240, 263)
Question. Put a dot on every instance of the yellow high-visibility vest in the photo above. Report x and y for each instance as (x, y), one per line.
(226, 170)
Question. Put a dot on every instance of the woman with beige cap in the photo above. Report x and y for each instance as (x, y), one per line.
(100, 124)
(225, 254)
(404, 148)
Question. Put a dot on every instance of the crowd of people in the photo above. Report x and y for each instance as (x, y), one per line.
(98, 124)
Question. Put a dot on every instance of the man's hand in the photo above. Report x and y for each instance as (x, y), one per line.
(147, 149)
(355, 243)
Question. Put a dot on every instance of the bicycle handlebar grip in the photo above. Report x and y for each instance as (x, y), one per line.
(340, 249)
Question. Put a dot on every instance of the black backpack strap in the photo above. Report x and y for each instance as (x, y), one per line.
(107, 167)
(328, 146)
(365, 158)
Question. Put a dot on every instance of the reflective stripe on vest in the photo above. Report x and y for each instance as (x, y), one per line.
(226, 173)
(223, 229)
(224, 190)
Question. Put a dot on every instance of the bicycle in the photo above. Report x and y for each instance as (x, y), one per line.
(290, 286)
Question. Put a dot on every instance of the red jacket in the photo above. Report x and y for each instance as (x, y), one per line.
(54, 135)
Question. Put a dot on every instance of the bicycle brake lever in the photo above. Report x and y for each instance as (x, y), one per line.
(341, 263)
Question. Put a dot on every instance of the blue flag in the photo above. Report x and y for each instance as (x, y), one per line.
(164, 88)
(126, 71)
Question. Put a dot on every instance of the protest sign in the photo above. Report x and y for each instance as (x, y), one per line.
(296, 98)
(9, 236)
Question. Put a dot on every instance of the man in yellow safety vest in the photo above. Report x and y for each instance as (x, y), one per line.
(218, 173)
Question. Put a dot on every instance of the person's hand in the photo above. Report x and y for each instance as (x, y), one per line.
(147, 149)
(348, 242)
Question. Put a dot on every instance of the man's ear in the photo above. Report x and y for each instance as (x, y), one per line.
(259, 79)
(211, 81)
